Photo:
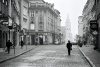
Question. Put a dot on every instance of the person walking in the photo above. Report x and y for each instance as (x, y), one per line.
(22, 43)
(8, 45)
(69, 47)
(36, 41)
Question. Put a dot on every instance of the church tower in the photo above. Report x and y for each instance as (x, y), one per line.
(68, 30)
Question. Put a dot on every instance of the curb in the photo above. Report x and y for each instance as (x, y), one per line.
(90, 62)
(18, 55)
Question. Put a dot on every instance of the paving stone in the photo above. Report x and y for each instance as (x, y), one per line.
(49, 56)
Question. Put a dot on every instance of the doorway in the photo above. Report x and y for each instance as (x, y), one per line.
(41, 39)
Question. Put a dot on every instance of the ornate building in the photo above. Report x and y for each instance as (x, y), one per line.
(44, 22)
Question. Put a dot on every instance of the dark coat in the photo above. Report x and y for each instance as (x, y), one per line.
(22, 43)
(69, 45)
(8, 44)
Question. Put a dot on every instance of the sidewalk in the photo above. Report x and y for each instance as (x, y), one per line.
(4, 56)
(91, 55)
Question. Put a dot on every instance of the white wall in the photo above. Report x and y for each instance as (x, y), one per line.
(24, 14)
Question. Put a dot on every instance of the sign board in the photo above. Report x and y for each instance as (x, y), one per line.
(93, 25)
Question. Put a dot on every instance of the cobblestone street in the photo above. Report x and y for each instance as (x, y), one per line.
(49, 56)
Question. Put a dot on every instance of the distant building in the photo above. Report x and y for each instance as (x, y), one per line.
(63, 32)
(68, 30)
(80, 26)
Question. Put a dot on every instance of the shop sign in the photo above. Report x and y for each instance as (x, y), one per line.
(93, 25)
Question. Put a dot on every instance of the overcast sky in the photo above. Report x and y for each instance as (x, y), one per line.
(72, 7)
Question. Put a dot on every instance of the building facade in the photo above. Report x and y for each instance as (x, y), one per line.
(91, 11)
(80, 28)
(25, 21)
(30, 21)
(88, 15)
(63, 34)
(4, 30)
(44, 22)
(10, 22)
(14, 21)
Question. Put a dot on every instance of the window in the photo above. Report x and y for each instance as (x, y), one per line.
(3, 1)
(32, 13)
(33, 19)
(40, 28)
(25, 10)
(41, 18)
(25, 20)
(36, 11)
(6, 2)
(32, 27)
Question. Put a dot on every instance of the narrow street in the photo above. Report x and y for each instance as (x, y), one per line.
(49, 56)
